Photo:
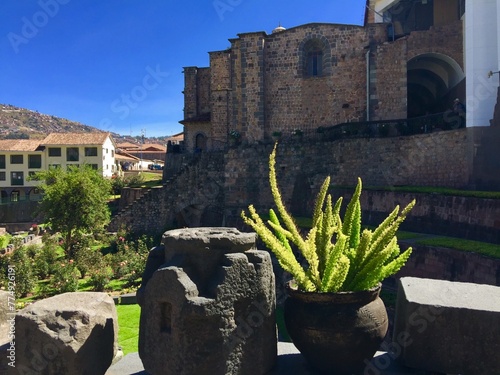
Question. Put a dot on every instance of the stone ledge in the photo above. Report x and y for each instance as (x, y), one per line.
(290, 361)
(448, 327)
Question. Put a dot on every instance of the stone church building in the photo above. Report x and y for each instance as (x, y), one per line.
(407, 60)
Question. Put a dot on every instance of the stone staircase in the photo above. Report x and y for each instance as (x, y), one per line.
(156, 209)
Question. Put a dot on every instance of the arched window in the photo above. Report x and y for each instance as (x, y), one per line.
(315, 57)
(314, 62)
(200, 142)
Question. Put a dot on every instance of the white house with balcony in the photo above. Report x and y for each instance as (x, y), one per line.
(20, 159)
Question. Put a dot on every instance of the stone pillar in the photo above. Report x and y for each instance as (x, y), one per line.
(210, 308)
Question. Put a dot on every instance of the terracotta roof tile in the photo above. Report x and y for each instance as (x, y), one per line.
(19, 145)
(127, 145)
(154, 147)
(75, 139)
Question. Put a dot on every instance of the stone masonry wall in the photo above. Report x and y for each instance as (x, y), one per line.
(18, 212)
(203, 90)
(194, 195)
(248, 85)
(388, 97)
(192, 130)
(445, 40)
(436, 159)
(294, 100)
(190, 91)
(220, 84)
(260, 86)
(214, 190)
(446, 264)
(455, 216)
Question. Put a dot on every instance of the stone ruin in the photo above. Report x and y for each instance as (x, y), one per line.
(448, 327)
(208, 305)
(71, 334)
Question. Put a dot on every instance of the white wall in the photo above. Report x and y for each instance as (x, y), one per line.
(108, 159)
(482, 36)
(24, 168)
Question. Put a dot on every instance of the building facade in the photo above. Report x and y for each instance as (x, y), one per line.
(20, 159)
(407, 60)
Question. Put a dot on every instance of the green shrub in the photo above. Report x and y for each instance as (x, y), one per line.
(25, 277)
(86, 259)
(130, 257)
(66, 277)
(45, 261)
(5, 240)
(101, 277)
(117, 184)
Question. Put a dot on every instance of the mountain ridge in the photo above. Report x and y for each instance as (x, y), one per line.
(22, 123)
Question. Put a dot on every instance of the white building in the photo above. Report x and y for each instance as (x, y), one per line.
(19, 159)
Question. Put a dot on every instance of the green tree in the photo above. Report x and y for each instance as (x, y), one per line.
(74, 202)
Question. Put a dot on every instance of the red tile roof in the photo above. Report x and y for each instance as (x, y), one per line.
(128, 145)
(19, 145)
(75, 139)
(154, 147)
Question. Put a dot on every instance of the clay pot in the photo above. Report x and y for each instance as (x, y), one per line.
(337, 333)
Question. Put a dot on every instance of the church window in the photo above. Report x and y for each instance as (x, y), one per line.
(314, 63)
(313, 57)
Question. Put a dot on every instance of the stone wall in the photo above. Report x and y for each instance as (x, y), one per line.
(214, 190)
(188, 199)
(443, 40)
(452, 265)
(260, 85)
(296, 100)
(388, 87)
(436, 159)
(18, 212)
(463, 217)
(129, 195)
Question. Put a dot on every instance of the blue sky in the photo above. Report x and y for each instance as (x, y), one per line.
(117, 64)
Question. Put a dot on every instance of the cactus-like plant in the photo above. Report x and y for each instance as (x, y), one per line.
(339, 256)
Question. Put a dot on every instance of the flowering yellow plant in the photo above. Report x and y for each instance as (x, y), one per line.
(339, 256)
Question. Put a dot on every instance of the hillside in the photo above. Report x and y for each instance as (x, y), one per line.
(26, 124)
(20, 123)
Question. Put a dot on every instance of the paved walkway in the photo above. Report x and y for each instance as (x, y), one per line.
(290, 362)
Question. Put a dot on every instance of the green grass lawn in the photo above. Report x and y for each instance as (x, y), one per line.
(482, 248)
(128, 327)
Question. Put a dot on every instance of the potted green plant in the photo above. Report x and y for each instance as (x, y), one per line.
(333, 312)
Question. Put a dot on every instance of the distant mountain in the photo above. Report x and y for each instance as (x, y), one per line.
(20, 123)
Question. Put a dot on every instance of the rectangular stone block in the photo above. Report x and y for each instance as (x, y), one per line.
(449, 327)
